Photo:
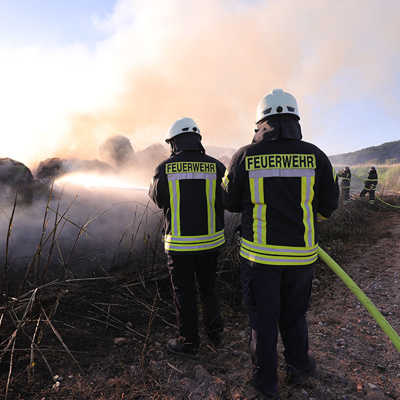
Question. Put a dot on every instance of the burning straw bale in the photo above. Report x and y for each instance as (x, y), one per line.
(117, 150)
(55, 167)
(16, 177)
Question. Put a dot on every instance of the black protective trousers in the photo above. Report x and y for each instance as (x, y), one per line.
(346, 192)
(277, 298)
(185, 270)
(370, 190)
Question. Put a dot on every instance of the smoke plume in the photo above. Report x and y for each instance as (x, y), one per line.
(211, 60)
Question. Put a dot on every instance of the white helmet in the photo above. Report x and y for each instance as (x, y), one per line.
(183, 125)
(277, 102)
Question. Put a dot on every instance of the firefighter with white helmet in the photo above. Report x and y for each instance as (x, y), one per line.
(279, 184)
(278, 102)
(187, 187)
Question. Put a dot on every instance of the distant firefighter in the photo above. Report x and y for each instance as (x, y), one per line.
(345, 174)
(370, 185)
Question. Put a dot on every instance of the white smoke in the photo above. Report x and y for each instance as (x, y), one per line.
(211, 60)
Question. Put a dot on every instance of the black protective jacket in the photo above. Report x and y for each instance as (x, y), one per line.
(187, 187)
(279, 183)
(346, 177)
(372, 181)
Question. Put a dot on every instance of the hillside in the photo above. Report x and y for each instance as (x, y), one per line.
(386, 153)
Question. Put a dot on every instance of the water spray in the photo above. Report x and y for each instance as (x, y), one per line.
(362, 297)
(93, 181)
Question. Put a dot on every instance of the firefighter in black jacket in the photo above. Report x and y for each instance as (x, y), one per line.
(279, 183)
(187, 187)
(345, 174)
(370, 185)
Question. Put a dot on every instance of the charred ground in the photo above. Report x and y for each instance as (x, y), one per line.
(104, 337)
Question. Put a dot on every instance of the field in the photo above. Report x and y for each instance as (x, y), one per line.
(388, 174)
(86, 306)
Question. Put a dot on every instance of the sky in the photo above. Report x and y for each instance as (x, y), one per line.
(73, 73)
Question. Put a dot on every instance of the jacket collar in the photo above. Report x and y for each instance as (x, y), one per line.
(186, 142)
(280, 127)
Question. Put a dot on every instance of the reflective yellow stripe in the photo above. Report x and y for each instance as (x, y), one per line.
(194, 243)
(225, 180)
(178, 208)
(303, 206)
(174, 201)
(307, 195)
(312, 182)
(214, 219)
(172, 206)
(263, 211)
(194, 247)
(269, 249)
(209, 205)
(210, 195)
(194, 238)
(268, 259)
(278, 255)
(259, 209)
(253, 200)
(320, 217)
(334, 174)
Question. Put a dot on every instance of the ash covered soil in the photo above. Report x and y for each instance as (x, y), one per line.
(117, 334)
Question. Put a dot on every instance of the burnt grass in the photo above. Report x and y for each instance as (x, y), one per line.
(103, 336)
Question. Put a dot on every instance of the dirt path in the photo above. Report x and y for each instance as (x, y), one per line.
(356, 360)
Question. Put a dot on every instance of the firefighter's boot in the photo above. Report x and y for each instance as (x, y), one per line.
(181, 347)
(255, 380)
(295, 376)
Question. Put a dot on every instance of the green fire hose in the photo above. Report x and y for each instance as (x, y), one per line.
(362, 297)
(388, 204)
